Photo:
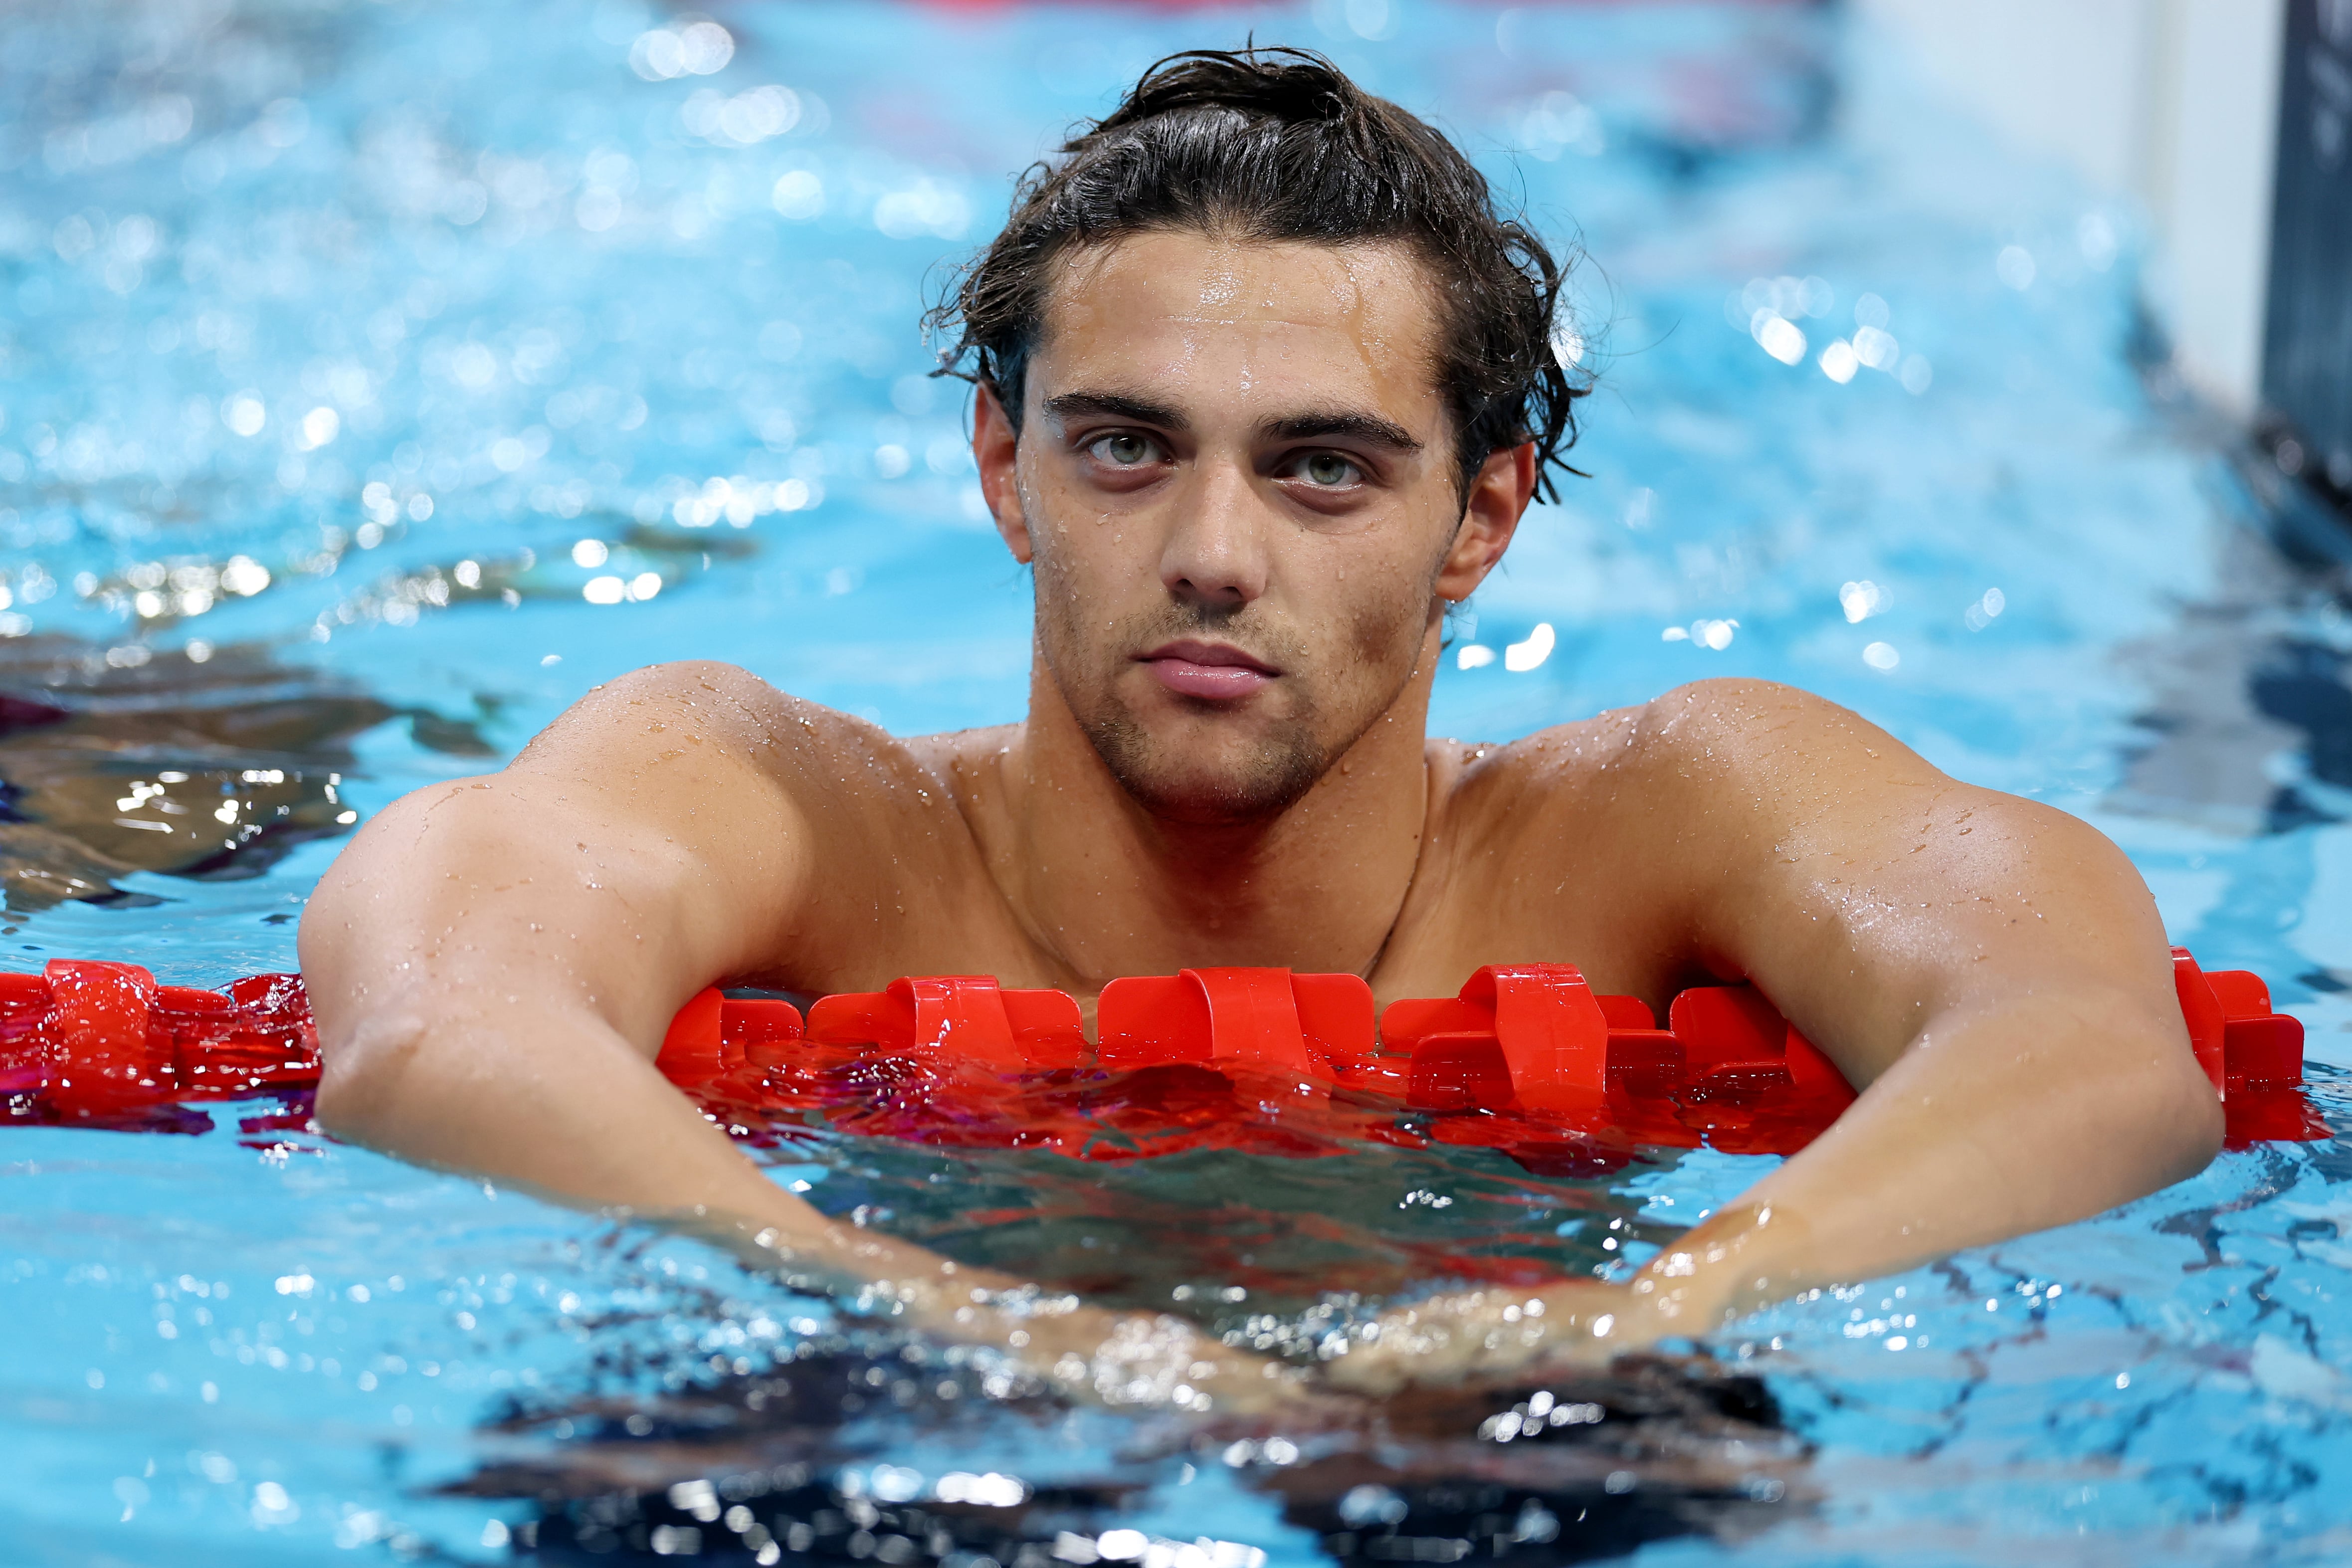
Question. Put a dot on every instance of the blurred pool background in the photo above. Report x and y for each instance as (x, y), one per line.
(377, 378)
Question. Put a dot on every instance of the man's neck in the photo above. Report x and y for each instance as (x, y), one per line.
(1109, 889)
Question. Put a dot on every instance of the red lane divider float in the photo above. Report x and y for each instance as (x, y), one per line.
(103, 1043)
(1527, 1059)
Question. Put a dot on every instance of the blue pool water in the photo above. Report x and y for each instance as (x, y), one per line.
(420, 365)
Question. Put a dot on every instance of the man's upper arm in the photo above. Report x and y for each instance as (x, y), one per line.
(1865, 890)
(651, 839)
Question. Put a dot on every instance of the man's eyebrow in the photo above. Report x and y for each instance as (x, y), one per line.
(1116, 405)
(1370, 429)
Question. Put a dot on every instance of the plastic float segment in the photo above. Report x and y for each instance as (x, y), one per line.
(1315, 1027)
(1735, 1030)
(715, 1034)
(752, 1025)
(2261, 1054)
(99, 1039)
(2200, 1009)
(2240, 1043)
(264, 1038)
(24, 1054)
(1529, 1036)
(1535, 1037)
(966, 1017)
(693, 1046)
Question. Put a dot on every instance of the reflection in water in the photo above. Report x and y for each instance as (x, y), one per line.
(795, 1458)
(693, 1423)
(210, 768)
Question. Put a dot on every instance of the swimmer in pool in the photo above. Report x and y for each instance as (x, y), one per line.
(1263, 386)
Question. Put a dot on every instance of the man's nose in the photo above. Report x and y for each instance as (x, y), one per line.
(1216, 555)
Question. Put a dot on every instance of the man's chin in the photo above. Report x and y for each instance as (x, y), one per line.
(1216, 790)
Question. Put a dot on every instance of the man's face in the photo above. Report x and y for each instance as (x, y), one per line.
(1237, 480)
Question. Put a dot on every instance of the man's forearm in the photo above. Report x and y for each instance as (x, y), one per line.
(1990, 1124)
(1993, 1124)
(557, 1103)
(561, 1106)
(565, 1108)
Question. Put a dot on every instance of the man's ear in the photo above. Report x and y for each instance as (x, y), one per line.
(1499, 494)
(993, 448)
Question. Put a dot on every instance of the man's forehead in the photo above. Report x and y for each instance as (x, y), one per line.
(1175, 306)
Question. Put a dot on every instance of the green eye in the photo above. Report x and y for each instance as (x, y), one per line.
(1124, 451)
(1328, 468)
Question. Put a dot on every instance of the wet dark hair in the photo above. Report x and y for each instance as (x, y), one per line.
(1278, 144)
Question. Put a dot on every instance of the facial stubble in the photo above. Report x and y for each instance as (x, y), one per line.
(1291, 755)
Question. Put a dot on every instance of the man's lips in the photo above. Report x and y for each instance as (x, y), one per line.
(1217, 671)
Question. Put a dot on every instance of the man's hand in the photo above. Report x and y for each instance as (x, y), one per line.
(1492, 1335)
(1112, 1358)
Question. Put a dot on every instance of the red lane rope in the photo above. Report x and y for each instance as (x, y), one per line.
(1526, 1059)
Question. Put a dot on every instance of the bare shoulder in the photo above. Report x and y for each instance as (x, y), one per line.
(852, 834)
(1594, 841)
(1754, 789)
(1748, 759)
(1717, 728)
(1686, 743)
(705, 709)
(673, 737)
(707, 757)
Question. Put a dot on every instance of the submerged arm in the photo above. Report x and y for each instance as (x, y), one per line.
(1991, 973)
(494, 962)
